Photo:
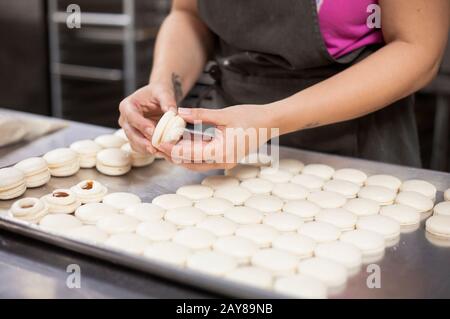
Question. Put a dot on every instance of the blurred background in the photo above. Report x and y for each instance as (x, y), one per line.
(83, 74)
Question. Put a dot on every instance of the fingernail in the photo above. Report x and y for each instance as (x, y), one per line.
(184, 111)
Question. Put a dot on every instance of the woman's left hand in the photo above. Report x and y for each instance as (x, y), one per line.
(239, 130)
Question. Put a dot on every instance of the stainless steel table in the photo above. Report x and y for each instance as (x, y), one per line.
(414, 268)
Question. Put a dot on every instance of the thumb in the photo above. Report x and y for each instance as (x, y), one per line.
(167, 102)
(191, 115)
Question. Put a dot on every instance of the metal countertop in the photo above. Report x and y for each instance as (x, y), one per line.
(414, 268)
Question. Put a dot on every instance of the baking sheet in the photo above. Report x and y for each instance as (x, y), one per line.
(414, 268)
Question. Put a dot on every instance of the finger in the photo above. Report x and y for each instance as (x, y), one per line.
(191, 115)
(138, 142)
(136, 119)
(185, 151)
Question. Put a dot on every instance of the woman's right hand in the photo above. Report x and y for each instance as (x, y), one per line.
(140, 112)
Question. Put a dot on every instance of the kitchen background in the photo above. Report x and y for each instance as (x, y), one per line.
(83, 74)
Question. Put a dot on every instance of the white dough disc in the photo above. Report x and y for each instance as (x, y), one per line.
(195, 192)
(91, 213)
(290, 165)
(110, 141)
(419, 186)
(211, 262)
(439, 226)
(130, 243)
(213, 206)
(304, 209)
(276, 261)
(379, 194)
(121, 200)
(325, 199)
(118, 224)
(283, 222)
(362, 207)
(235, 194)
(252, 276)
(158, 134)
(347, 189)
(442, 209)
(243, 172)
(368, 242)
(174, 130)
(290, 191)
(194, 238)
(262, 235)
(405, 215)
(218, 225)
(385, 226)
(185, 216)
(241, 249)
(311, 182)
(169, 252)
(219, 181)
(331, 273)
(301, 286)
(415, 200)
(320, 232)
(345, 254)
(384, 180)
(258, 186)
(171, 201)
(350, 175)
(275, 175)
(299, 245)
(244, 215)
(158, 230)
(59, 222)
(264, 203)
(145, 212)
(447, 195)
(320, 170)
(339, 217)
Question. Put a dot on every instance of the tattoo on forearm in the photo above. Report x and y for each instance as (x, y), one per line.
(311, 125)
(177, 88)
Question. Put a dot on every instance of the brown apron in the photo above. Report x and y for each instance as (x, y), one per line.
(268, 50)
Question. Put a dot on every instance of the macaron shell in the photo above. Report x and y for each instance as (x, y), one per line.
(174, 130)
(11, 177)
(13, 192)
(160, 127)
(439, 226)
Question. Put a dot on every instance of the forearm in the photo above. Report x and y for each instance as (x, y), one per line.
(181, 51)
(416, 34)
(386, 76)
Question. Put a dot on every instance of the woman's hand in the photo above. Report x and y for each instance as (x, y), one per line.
(239, 130)
(140, 112)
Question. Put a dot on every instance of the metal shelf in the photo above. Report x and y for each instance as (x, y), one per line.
(94, 18)
(87, 72)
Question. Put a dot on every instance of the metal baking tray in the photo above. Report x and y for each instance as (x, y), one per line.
(413, 268)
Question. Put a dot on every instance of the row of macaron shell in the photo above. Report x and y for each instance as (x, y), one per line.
(110, 153)
(172, 198)
(121, 239)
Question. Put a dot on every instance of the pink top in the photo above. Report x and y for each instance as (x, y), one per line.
(344, 27)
